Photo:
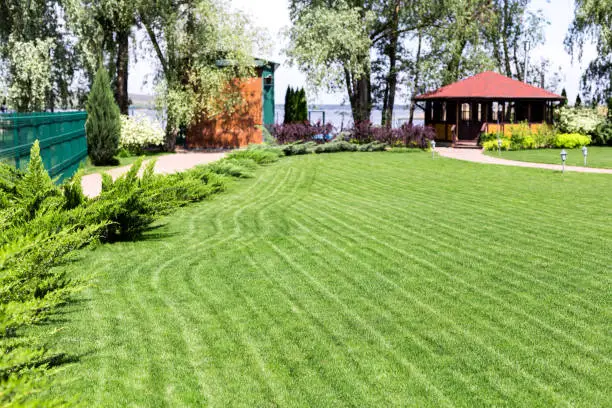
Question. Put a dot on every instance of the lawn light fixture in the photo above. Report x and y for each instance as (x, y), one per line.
(499, 145)
(433, 148)
(584, 153)
(563, 159)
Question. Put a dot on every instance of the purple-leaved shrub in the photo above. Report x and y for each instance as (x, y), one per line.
(302, 132)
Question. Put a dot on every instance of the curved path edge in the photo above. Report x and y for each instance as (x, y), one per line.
(172, 163)
(477, 156)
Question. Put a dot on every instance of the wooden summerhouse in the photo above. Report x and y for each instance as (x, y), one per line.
(486, 102)
(239, 128)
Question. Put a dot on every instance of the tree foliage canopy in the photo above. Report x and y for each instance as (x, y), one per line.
(203, 50)
(592, 22)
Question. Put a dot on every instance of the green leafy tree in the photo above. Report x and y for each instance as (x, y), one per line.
(592, 24)
(512, 32)
(103, 29)
(103, 125)
(37, 54)
(331, 45)
(203, 52)
(31, 78)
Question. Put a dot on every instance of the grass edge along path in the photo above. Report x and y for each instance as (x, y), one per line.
(358, 279)
(597, 157)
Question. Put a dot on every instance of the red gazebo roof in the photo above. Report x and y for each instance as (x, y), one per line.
(489, 85)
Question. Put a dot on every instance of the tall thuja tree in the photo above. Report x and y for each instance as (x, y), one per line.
(203, 49)
(578, 103)
(302, 107)
(103, 125)
(564, 95)
(288, 118)
(592, 22)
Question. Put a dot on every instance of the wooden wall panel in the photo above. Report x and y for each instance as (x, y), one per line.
(234, 130)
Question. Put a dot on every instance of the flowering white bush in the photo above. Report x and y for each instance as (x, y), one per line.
(579, 120)
(138, 132)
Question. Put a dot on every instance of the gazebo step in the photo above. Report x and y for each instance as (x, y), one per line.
(467, 144)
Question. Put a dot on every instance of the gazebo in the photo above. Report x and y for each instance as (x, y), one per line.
(486, 102)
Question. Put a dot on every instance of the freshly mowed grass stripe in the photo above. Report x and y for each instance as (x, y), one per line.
(597, 156)
(372, 279)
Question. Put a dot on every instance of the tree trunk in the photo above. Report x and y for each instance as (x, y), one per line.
(452, 70)
(121, 83)
(359, 91)
(389, 102)
(171, 135)
(417, 77)
(506, 26)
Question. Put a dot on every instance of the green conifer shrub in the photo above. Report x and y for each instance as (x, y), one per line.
(288, 95)
(103, 126)
(302, 111)
(564, 95)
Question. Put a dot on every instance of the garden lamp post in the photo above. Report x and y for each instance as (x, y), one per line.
(563, 159)
(584, 153)
(500, 110)
(433, 148)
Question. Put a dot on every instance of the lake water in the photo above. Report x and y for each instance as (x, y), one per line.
(341, 117)
(338, 115)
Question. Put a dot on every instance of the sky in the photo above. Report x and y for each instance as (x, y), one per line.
(273, 15)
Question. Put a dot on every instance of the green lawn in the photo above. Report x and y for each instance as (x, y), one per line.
(357, 279)
(89, 168)
(597, 156)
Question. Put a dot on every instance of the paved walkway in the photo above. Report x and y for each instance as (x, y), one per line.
(476, 155)
(172, 163)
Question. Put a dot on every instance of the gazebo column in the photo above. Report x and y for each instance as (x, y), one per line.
(529, 114)
(456, 134)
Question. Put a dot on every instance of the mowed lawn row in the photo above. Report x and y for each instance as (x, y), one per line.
(357, 279)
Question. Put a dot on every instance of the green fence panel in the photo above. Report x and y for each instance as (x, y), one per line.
(61, 135)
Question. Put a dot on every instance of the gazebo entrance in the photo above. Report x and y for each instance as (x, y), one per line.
(470, 121)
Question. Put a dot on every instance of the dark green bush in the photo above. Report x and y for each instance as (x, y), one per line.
(239, 168)
(258, 155)
(334, 147)
(298, 148)
(103, 125)
(487, 137)
(603, 134)
(372, 147)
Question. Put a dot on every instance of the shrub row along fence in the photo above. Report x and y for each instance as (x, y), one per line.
(61, 136)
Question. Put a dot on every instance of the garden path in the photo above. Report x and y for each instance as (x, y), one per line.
(476, 155)
(92, 183)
